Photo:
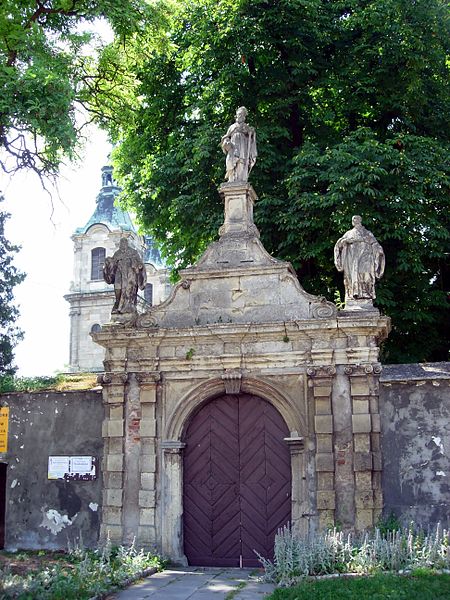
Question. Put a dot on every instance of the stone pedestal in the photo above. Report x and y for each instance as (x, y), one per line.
(239, 199)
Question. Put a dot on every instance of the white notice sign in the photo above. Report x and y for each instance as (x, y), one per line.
(72, 468)
(81, 464)
(58, 466)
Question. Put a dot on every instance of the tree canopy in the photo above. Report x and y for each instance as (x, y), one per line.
(350, 100)
(10, 334)
(50, 75)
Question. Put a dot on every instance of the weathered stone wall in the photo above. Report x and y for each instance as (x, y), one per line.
(415, 425)
(42, 513)
(415, 434)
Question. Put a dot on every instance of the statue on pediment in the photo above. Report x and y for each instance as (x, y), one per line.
(239, 145)
(126, 271)
(358, 254)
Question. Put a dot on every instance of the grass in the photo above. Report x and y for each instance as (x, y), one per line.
(422, 586)
(62, 382)
(236, 590)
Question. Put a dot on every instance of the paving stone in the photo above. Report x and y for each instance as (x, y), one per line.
(196, 583)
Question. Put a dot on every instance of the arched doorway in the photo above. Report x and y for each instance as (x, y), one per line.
(237, 481)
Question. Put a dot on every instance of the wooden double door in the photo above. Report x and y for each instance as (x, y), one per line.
(237, 481)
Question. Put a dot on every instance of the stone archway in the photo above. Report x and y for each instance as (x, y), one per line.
(173, 448)
(237, 481)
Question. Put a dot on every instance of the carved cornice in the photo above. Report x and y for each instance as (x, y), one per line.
(296, 444)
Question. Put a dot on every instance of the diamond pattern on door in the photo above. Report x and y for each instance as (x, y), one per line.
(237, 481)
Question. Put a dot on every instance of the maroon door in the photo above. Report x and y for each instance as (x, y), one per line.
(237, 481)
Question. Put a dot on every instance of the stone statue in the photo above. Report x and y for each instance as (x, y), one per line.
(239, 144)
(126, 271)
(361, 258)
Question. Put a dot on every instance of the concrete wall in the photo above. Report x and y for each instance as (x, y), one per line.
(415, 426)
(42, 513)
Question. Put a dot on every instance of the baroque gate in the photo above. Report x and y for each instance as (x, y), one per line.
(238, 322)
(237, 481)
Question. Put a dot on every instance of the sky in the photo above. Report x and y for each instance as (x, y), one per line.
(42, 226)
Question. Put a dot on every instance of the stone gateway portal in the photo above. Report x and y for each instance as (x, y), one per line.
(237, 481)
(211, 395)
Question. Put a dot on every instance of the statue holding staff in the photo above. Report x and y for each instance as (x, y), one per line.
(239, 145)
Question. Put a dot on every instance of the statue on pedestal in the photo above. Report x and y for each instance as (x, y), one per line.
(361, 257)
(126, 271)
(239, 144)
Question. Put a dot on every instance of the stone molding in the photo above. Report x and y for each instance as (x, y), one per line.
(232, 381)
(172, 446)
(296, 444)
(110, 378)
(207, 390)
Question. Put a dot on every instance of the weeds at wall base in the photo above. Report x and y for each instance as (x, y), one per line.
(83, 575)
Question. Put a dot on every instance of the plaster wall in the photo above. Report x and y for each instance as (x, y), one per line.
(415, 425)
(43, 513)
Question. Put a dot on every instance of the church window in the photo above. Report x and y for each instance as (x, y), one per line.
(96, 328)
(97, 262)
(148, 294)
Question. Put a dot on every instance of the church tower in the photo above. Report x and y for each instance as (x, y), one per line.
(90, 297)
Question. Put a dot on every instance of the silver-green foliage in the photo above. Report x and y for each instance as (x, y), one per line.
(337, 552)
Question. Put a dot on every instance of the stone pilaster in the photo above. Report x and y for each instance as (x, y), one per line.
(300, 504)
(366, 443)
(347, 433)
(74, 358)
(148, 383)
(321, 382)
(172, 501)
(113, 457)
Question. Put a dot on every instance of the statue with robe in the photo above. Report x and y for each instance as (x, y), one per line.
(358, 254)
(239, 145)
(126, 271)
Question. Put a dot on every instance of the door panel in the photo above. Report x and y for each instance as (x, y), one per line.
(237, 481)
